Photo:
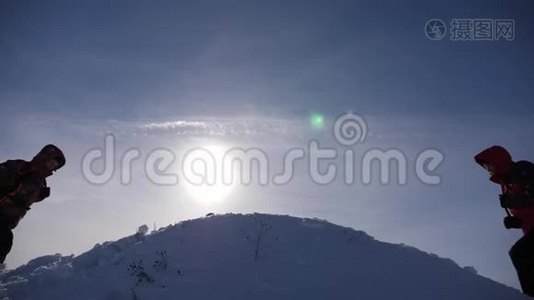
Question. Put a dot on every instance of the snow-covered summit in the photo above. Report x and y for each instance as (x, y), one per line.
(249, 257)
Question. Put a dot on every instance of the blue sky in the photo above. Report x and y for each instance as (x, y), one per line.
(73, 71)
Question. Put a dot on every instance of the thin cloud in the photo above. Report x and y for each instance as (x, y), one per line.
(236, 127)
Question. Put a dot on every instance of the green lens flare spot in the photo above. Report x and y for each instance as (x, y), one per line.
(316, 121)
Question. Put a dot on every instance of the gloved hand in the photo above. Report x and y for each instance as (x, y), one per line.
(512, 222)
(43, 194)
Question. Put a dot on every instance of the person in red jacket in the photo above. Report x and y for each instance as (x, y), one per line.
(516, 180)
(23, 183)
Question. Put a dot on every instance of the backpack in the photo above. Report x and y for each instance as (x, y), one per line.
(19, 188)
(523, 173)
(11, 173)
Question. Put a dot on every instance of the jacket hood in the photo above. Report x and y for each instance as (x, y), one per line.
(51, 152)
(498, 157)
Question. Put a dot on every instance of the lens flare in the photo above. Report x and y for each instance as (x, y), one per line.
(317, 121)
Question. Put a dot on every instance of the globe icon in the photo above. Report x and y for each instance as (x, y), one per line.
(435, 29)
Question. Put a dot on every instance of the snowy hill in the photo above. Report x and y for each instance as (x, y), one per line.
(250, 257)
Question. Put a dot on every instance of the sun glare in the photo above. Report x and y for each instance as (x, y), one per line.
(214, 190)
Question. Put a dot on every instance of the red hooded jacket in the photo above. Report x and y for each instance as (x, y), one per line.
(502, 161)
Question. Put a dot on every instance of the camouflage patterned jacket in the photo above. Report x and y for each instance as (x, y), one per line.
(19, 189)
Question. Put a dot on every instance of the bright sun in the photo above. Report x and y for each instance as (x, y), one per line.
(215, 191)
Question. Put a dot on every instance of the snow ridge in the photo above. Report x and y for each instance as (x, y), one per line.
(254, 256)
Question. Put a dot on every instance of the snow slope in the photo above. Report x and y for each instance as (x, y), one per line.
(250, 257)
